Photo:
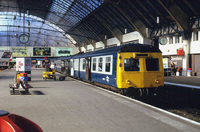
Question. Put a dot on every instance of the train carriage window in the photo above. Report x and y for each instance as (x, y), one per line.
(131, 64)
(75, 64)
(83, 64)
(152, 64)
(108, 61)
(94, 64)
(100, 61)
(71, 64)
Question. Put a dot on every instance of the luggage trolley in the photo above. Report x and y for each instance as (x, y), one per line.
(49, 75)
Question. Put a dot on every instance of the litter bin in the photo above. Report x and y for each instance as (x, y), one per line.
(24, 78)
(189, 72)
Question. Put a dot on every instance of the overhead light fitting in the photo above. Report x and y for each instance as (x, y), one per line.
(16, 35)
(14, 17)
(105, 36)
(125, 30)
(158, 20)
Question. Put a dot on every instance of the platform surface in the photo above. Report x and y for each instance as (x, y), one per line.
(73, 106)
(191, 81)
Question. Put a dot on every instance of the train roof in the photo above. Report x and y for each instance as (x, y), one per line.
(65, 57)
(122, 48)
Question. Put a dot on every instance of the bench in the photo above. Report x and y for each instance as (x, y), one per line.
(26, 88)
(13, 88)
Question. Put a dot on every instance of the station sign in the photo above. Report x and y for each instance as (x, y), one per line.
(19, 51)
(166, 63)
(63, 51)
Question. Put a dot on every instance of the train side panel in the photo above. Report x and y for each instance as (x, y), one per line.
(103, 69)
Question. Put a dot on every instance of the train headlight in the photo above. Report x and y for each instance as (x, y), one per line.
(129, 82)
(156, 81)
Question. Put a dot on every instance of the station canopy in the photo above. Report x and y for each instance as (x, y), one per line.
(61, 23)
(45, 22)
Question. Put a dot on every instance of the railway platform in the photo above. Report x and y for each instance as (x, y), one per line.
(185, 81)
(74, 106)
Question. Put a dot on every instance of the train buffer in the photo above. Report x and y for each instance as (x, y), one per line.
(16, 89)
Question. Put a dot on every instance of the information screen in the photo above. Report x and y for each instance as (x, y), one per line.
(41, 51)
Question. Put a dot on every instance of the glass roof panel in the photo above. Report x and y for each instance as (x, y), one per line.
(52, 18)
(40, 34)
(71, 11)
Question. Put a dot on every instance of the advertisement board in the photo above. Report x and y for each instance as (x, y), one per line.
(41, 51)
(6, 54)
(19, 51)
(166, 63)
(63, 51)
(23, 64)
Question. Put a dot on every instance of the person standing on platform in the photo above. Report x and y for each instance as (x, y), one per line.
(173, 66)
(52, 66)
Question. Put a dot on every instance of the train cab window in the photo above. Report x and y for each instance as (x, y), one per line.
(152, 64)
(131, 64)
(100, 61)
(108, 61)
(94, 64)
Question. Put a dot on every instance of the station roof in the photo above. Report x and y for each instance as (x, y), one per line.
(71, 23)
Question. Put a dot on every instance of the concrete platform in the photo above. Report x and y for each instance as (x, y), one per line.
(74, 106)
(185, 81)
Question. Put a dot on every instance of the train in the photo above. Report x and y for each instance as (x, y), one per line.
(131, 69)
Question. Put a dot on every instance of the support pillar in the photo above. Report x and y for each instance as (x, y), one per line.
(187, 62)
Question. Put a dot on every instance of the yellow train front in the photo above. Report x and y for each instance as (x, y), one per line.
(139, 73)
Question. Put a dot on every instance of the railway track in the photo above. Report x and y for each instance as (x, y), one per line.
(182, 101)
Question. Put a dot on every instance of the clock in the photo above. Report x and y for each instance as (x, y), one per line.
(23, 38)
(163, 41)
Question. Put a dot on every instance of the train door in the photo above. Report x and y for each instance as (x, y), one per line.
(79, 68)
(67, 67)
(71, 67)
(87, 68)
(114, 66)
(62, 66)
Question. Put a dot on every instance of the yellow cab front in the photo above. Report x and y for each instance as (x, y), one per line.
(139, 70)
